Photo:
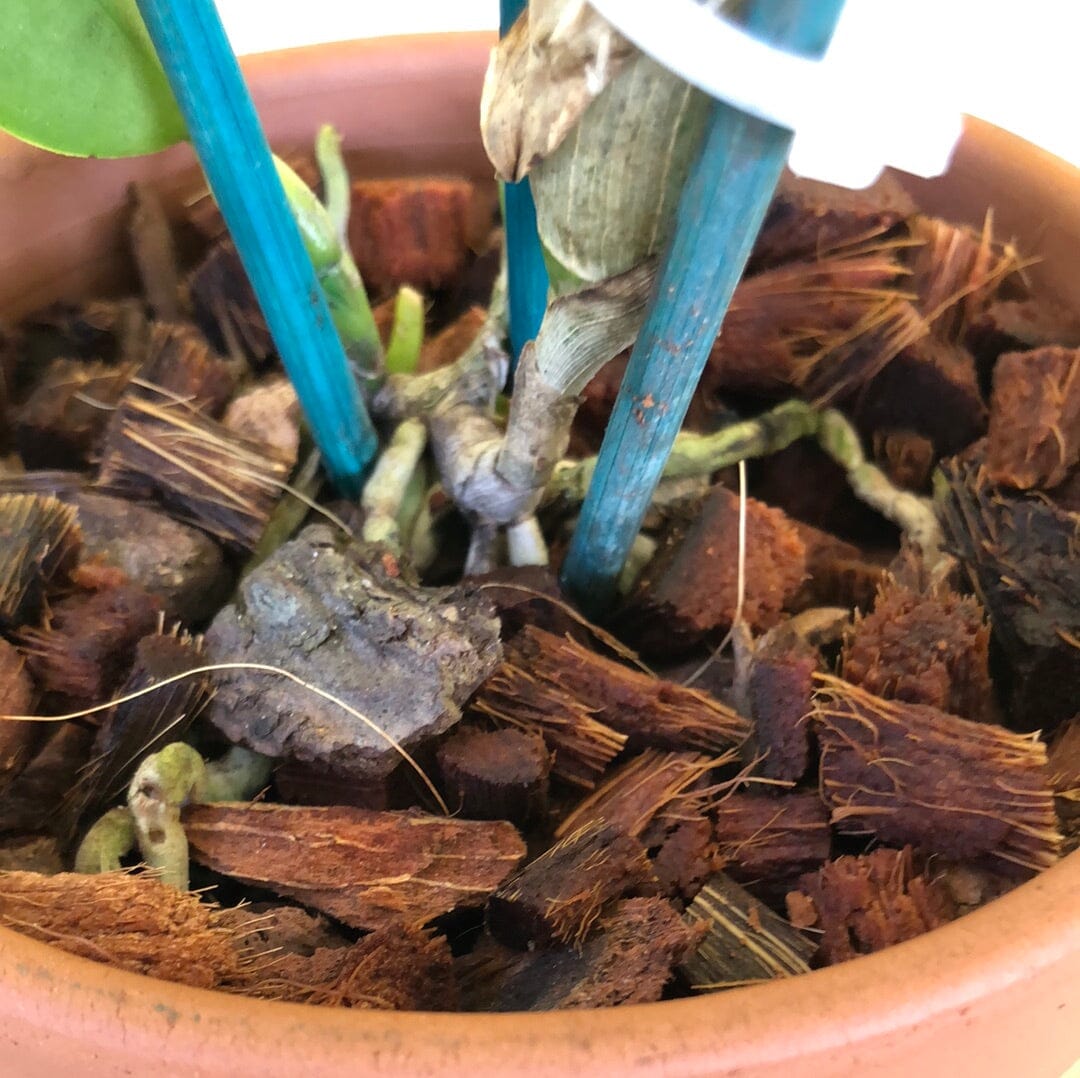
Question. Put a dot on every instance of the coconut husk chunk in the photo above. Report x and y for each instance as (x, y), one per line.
(925, 647)
(1034, 436)
(629, 958)
(690, 588)
(131, 922)
(911, 774)
(863, 904)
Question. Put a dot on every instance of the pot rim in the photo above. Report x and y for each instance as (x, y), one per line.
(892, 1001)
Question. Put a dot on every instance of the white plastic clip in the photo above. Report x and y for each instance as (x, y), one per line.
(854, 111)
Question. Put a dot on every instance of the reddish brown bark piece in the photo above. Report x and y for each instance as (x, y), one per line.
(450, 343)
(131, 922)
(649, 786)
(1064, 754)
(838, 573)
(1018, 325)
(924, 647)
(39, 546)
(911, 774)
(397, 968)
(529, 595)
(1034, 436)
(685, 855)
(586, 706)
(180, 361)
(495, 774)
(780, 691)
(367, 869)
(818, 326)
(17, 739)
(226, 309)
(201, 472)
(955, 271)
(628, 959)
(744, 940)
(864, 904)
(32, 800)
(113, 331)
(183, 567)
(929, 389)
(690, 588)
(63, 420)
(410, 231)
(558, 897)
(768, 839)
(807, 217)
(89, 642)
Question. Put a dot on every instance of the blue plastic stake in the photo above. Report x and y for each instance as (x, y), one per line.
(229, 140)
(527, 278)
(720, 212)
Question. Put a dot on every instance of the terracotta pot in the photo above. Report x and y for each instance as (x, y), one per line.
(993, 994)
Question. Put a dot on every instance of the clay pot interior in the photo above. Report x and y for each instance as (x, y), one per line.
(994, 991)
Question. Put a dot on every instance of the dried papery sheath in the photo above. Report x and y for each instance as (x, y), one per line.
(857, 905)
(558, 897)
(367, 869)
(744, 941)
(39, 546)
(909, 773)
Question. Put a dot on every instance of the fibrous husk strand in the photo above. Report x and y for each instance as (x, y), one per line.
(651, 786)
(397, 968)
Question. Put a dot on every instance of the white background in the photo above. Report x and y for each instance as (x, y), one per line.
(1012, 62)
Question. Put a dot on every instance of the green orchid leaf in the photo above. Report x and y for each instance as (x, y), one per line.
(81, 77)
